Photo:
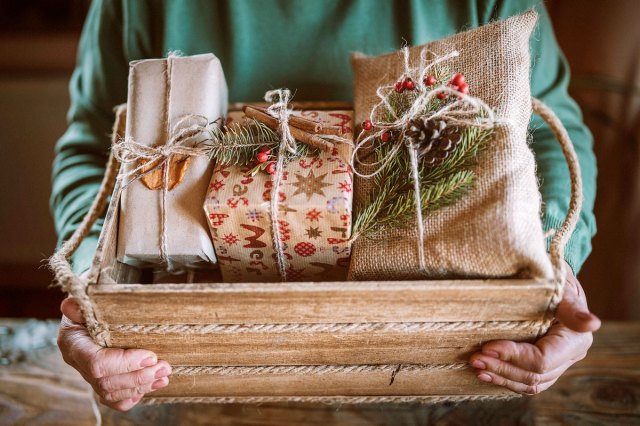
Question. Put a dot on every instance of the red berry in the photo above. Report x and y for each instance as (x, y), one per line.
(265, 149)
(367, 125)
(385, 136)
(441, 95)
(463, 88)
(457, 79)
(429, 80)
(399, 87)
(271, 167)
(262, 157)
(409, 84)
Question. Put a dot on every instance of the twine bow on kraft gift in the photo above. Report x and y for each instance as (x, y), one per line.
(186, 140)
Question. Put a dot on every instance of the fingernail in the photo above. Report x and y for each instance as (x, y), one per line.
(492, 354)
(160, 383)
(148, 362)
(485, 377)
(163, 372)
(479, 364)
(584, 316)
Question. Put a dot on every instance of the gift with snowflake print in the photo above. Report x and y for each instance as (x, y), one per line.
(314, 211)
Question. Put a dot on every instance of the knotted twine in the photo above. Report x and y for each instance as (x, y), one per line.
(465, 110)
(279, 109)
(184, 140)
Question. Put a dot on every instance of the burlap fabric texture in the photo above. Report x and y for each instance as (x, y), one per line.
(495, 230)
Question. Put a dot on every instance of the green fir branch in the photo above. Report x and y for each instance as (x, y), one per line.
(392, 201)
(239, 143)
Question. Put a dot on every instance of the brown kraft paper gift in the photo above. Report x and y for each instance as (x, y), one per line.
(192, 85)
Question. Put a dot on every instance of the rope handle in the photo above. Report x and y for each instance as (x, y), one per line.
(64, 276)
(561, 237)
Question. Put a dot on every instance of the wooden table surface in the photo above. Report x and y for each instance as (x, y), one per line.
(604, 388)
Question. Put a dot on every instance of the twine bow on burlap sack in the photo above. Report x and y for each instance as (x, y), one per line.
(462, 109)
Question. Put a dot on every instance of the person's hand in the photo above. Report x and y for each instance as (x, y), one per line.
(532, 368)
(120, 377)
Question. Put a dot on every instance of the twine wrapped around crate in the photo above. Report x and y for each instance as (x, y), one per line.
(77, 287)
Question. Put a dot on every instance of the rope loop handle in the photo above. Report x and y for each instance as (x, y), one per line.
(561, 236)
(63, 273)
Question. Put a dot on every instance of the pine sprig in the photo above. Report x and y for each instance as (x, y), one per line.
(392, 202)
(239, 142)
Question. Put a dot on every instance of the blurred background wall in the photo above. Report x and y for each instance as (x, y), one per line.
(38, 40)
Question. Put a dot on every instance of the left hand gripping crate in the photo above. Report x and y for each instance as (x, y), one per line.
(350, 342)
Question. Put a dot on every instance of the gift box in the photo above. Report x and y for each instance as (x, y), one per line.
(334, 342)
(339, 342)
(163, 94)
(314, 217)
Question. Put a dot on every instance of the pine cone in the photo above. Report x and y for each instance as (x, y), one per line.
(434, 139)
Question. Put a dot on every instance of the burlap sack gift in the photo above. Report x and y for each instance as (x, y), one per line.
(495, 229)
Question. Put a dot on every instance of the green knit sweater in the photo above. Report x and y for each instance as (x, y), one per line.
(303, 45)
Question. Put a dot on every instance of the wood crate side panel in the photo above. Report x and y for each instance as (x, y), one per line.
(425, 301)
(310, 348)
(420, 382)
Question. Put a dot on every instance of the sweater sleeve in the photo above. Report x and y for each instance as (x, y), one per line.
(549, 83)
(97, 85)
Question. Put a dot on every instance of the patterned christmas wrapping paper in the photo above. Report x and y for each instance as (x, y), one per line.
(314, 214)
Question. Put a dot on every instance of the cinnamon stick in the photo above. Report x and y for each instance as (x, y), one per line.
(305, 124)
(296, 132)
(308, 125)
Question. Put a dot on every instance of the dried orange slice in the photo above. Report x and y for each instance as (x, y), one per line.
(154, 179)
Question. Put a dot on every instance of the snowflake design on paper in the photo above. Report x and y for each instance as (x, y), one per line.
(314, 215)
(230, 239)
(310, 184)
(217, 219)
(254, 215)
(217, 185)
(345, 186)
(215, 203)
(313, 232)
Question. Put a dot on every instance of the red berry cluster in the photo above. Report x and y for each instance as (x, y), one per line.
(386, 135)
(429, 80)
(458, 83)
(406, 84)
(263, 157)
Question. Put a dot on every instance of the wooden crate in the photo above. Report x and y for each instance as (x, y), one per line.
(318, 341)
